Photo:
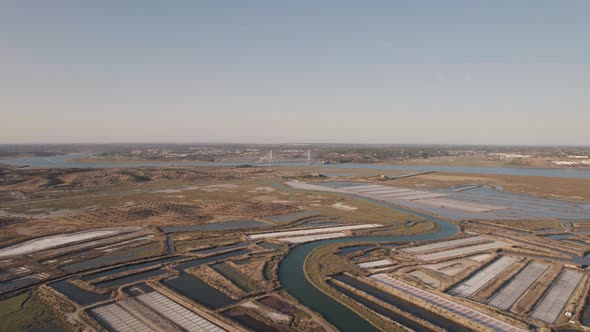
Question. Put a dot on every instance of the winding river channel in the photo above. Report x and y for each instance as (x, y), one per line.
(293, 279)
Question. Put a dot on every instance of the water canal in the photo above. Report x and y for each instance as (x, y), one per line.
(403, 305)
(292, 276)
(380, 309)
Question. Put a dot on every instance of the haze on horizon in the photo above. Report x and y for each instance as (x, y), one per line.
(394, 72)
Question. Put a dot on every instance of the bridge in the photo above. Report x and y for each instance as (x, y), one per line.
(270, 160)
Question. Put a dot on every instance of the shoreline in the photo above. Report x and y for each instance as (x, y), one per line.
(403, 163)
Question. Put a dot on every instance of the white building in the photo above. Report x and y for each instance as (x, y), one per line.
(511, 155)
(565, 163)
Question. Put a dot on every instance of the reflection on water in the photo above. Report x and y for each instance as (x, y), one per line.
(559, 236)
(18, 283)
(583, 260)
(66, 161)
(198, 291)
(78, 294)
(170, 244)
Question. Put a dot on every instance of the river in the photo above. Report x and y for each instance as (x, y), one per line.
(293, 280)
(67, 161)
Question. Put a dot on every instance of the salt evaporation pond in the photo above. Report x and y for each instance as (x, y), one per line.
(198, 291)
(92, 263)
(78, 294)
(510, 206)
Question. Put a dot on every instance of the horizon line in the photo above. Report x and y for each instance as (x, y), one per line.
(297, 143)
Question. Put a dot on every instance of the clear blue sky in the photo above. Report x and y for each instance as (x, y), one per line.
(498, 72)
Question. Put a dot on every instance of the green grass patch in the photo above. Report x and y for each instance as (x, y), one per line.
(26, 312)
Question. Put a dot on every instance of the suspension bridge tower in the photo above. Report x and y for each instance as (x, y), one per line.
(270, 159)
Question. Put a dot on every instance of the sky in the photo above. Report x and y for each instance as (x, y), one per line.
(315, 71)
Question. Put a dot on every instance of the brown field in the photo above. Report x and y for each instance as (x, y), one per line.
(557, 188)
